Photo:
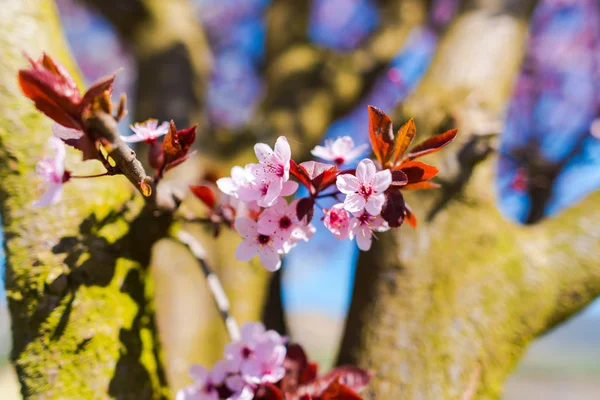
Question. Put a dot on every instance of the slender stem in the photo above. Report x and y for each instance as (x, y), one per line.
(89, 176)
(214, 284)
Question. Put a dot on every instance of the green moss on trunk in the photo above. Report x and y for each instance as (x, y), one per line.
(76, 272)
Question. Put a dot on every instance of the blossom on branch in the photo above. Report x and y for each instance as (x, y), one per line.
(339, 151)
(366, 189)
(148, 131)
(52, 171)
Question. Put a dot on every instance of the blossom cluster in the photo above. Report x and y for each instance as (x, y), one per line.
(263, 365)
(256, 359)
(253, 198)
(48, 84)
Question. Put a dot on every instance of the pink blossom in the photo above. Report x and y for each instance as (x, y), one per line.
(365, 190)
(267, 364)
(275, 163)
(337, 220)
(147, 131)
(254, 242)
(302, 232)
(239, 177)
(240, 388)
(52, 171)
(252, 333)
(340, 151)
(206, 384)
(362, 228)
(265, 189)
(280, 219)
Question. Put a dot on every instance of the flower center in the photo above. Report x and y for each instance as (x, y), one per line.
(338, 160)
(264, 239)
(246, 352)
(276, 169)
(365, 191)
(285, 222)
(365, 219)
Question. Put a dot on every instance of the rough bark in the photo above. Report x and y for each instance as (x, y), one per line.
(77, 282)
(446, 311)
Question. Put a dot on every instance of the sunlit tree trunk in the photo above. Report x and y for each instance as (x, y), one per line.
(447, 310)
(77, 277)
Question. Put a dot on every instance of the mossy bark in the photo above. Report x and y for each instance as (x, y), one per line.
(77, 282)
(445, 311)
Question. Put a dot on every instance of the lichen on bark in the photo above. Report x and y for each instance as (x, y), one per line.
(82, 319)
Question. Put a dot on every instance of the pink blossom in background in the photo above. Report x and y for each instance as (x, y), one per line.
(147, 131)
(339, 151)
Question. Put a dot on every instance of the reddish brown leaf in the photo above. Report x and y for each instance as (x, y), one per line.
(420, 185)
(321, 175)
(381, 135)
(417, 171)
(97, 89)
(156, 157)
(354, 377)
(38, 86)
(432, 144)
(339, 391)
(393, 208)
(410, 217)
(399, 178)
(268, 391)
(52, 89)
(404, 138)
(77, 139)
(205, 194)
(177, 144)
(301, 174)
(305, 208)
(178, 161)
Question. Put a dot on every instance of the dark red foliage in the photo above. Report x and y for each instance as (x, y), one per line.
(432, 144)
(176, 145)
(399, 178)
(417, 171)
(55, 92)
(381, 135)
(205, 194)
(306, 208)
(314, 175)
(394, 208)
(404, 138)
(302, 383)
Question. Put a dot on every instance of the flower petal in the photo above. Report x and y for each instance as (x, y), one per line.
(246, 250)
(269, 258)
(365, 171)
(347, 183)
(375, 203)
(364, 238)
(282, 150)
(52, 195)
(323, 153)
(263, 152)
(383, 180)
(246, 227)
(354, 203)
(289, 188)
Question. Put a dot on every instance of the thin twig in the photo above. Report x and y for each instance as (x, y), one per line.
(214, 284)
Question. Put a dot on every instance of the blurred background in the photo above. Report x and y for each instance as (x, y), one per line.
(565, 364)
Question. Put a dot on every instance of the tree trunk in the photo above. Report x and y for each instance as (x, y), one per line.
(77, 282)
(446, 311)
